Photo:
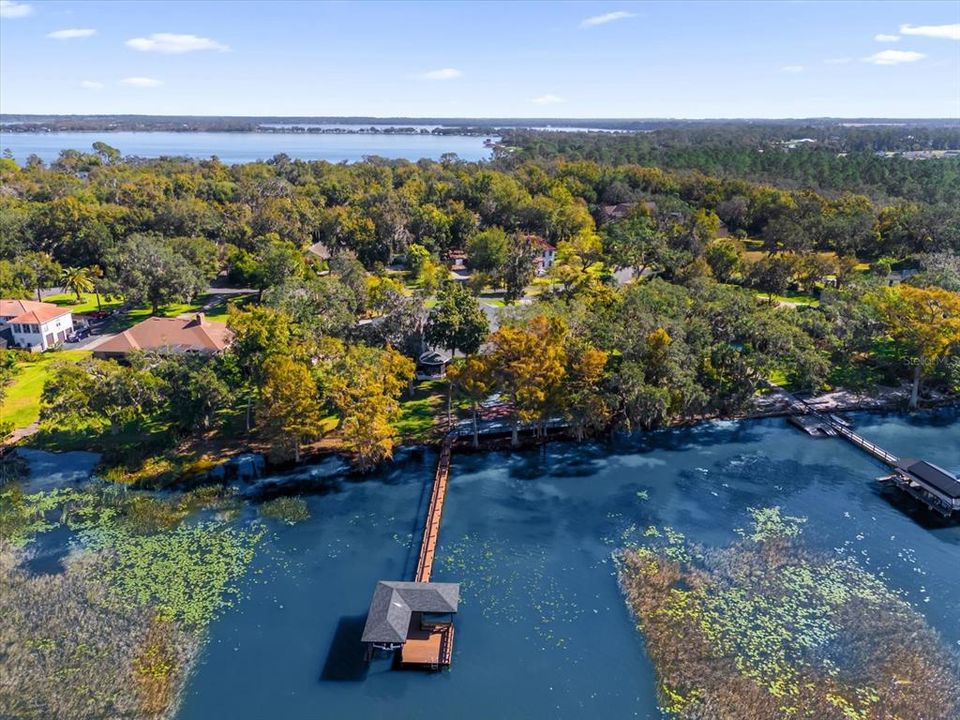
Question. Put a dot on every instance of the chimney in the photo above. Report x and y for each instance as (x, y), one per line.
(198, 319)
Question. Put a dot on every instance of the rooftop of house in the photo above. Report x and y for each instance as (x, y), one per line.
(394, 602)
(542, 244)
(320, 250)
(193, 334)
(30, 311)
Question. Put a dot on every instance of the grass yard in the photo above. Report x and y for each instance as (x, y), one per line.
(87, 304)
(791, 298)
(217, 312)
(22, 405)
(429, 401)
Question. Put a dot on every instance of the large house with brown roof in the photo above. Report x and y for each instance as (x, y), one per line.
(169, 335)
(32, 325)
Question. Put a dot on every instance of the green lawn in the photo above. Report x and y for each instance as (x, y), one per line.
(22, 405)
(791, 297)
(418, 412)
(88, 304)
(218, 313)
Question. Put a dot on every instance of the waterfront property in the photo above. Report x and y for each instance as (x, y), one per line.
(34, 326)
(937, 488)
(169, 335)
(414, 618)
(405, 616)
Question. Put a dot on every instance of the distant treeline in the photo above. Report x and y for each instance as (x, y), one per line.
(826, 159)
(890, 134)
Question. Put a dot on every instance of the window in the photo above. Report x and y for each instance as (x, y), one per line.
(35, 329)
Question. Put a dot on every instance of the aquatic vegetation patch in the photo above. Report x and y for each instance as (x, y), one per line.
(115, 634)
(766, 628)
(290, 510)
(67, 650)
(512, 584)
(188, 574)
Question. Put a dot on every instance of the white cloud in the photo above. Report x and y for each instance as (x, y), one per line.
(442, 74)
(838, 61)
(947, 32)
(894, 57)
(172, 44)
(141, 82)
(547, 100)
(607, 18)
(71, 33)
(886, 38)
(12, 9)
(91, 85)
(792, 69)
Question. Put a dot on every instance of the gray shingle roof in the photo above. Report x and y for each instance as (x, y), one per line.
(933, 475)
(393, 602)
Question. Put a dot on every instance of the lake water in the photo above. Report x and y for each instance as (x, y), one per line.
(543, 631)
(249, 147)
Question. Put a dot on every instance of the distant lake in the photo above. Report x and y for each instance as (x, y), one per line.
(248, 147)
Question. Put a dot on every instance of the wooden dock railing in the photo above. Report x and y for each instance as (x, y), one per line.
(431, 530)
(861, 442)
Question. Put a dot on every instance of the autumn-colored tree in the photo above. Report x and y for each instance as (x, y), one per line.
(926, 321)
(528, 366)
(472, 379)
(583, 400)
(289, 412)
(364, 385)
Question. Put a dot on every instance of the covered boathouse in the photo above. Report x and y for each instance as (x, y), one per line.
(927, 482)
(414, 618)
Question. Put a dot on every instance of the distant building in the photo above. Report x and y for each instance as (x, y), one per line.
(169, 335)
(546, 253)
(320, 251)
(621, 210)
(35, 326)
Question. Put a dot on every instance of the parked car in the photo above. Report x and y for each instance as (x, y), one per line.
(79, 333)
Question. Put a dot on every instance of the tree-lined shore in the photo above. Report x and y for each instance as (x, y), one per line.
(624, 296)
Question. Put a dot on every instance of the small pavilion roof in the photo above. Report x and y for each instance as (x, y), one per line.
(393, 603)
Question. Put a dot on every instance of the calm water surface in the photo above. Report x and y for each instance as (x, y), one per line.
(543, 631)
(248, 147)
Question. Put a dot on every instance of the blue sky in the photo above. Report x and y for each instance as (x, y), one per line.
(540, 59)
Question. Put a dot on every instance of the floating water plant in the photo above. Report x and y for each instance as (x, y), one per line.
(290, 510)
(766, 629)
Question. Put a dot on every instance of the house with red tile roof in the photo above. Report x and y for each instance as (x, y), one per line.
(35, 326)
(169, 335)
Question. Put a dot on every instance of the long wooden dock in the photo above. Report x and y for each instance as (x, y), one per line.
(431, 529)
(939, 489)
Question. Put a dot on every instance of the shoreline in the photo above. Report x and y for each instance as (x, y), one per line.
(770, 405)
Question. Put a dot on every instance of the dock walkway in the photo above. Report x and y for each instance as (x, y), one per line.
(431, 529)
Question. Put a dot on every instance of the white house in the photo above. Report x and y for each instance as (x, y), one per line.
(34, 326)
(546, 254)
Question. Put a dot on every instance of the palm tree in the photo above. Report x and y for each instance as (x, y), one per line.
(78, 280)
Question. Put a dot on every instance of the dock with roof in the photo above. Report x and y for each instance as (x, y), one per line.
(414, 620)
